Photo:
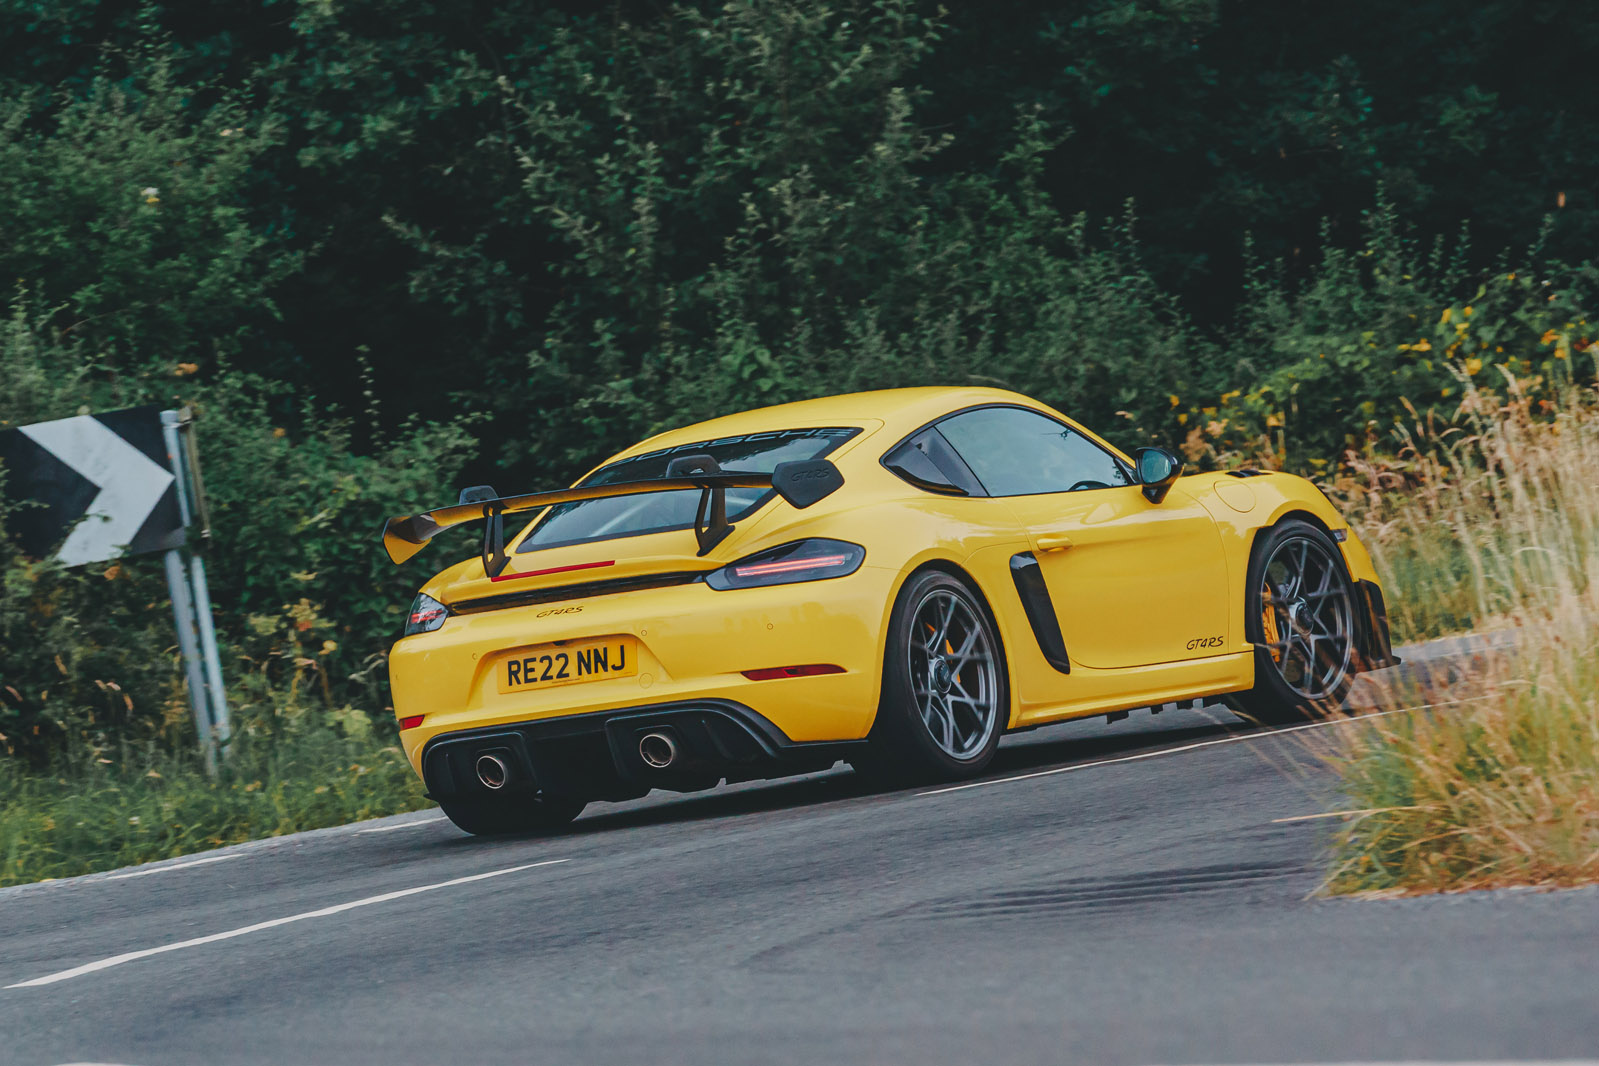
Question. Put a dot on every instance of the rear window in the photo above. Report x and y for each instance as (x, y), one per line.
(658, 512)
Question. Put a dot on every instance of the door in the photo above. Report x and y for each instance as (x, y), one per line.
(1131, 583)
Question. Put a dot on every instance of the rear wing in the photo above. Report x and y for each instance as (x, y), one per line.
(799, 483)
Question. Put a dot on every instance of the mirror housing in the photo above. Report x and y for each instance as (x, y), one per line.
(1158, 469)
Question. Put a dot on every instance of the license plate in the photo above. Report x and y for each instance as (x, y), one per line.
(566, 664)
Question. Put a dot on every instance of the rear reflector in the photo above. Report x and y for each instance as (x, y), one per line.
(772, 673)
(412, 722)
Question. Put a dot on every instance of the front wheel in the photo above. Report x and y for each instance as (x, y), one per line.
(516, 814)
(1299, 608)
(946, 697)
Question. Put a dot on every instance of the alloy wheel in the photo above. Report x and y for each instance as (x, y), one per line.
(952, 667)
(1307, 615)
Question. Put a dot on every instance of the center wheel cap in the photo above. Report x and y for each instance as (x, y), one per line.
(942, 676)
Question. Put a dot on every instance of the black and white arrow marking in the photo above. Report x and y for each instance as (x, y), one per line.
(109, 470)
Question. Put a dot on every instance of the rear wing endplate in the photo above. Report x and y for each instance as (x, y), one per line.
(800, 483)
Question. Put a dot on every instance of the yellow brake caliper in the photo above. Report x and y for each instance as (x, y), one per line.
(1268, 623)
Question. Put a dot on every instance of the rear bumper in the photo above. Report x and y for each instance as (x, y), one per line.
(596, 755)
(693, 644)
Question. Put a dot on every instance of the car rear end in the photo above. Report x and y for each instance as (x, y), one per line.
(610, 656)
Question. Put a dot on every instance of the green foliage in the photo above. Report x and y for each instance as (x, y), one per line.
(761, 221)
(1380, 336)
(125, 215)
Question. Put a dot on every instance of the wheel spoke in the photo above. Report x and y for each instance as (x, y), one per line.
(1324, 584)
(947, 716)
(943, 627)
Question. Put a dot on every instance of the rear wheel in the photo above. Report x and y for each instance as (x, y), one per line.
(1299, 607)
(946, 696)
(516, 814)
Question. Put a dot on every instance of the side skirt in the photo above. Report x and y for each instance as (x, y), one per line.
(1108, 691)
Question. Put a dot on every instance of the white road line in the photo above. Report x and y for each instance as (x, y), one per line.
(176, 866)
(1191, 747)
(403, 825)
(134, 956)
(1480, 1062)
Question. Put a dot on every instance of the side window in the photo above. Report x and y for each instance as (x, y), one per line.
(1016, 452)
(928, 462)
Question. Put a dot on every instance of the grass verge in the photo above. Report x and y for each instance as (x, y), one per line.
(1496, 527)
(123, 807)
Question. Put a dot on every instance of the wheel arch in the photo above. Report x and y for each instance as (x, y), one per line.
(954, 569)
(1283, 514)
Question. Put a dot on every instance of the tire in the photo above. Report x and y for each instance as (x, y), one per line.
(938, 722)
(516, 814)
(1299, 612)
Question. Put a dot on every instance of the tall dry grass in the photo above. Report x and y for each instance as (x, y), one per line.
(1493, 525)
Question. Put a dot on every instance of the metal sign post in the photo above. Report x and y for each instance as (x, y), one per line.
(125, 483)
(191, 597)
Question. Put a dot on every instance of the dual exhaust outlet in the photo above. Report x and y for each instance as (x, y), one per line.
(658, 750)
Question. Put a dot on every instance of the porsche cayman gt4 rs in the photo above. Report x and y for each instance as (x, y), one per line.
(894, 579)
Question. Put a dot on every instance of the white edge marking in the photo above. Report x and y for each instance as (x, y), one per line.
(175, 866)
(403, 825)
(1190, 747)
(134, 956)
(1456, 1062)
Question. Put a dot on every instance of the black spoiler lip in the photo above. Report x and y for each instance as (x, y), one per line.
(406, 535)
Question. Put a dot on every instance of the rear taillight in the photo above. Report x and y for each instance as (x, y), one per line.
(803, 560)
(427, 614)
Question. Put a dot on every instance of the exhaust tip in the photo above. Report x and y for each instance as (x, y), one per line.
(492, 772)
(658, 750)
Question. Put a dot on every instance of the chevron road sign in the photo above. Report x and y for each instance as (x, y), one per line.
(94, 488)
(103, 481)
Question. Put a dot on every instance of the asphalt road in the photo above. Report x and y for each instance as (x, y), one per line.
(1121, 894)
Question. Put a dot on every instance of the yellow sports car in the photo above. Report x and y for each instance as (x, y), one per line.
(894, 579)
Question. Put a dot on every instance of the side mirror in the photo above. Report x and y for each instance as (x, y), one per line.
(1157, 470)
(477, 494)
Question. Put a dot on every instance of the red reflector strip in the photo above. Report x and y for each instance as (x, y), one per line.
(426, 616)
(788, 566)
(772, 673)
(553, 570)
(412, 722)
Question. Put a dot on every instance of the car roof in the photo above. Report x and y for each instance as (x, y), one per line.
(900, 410)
